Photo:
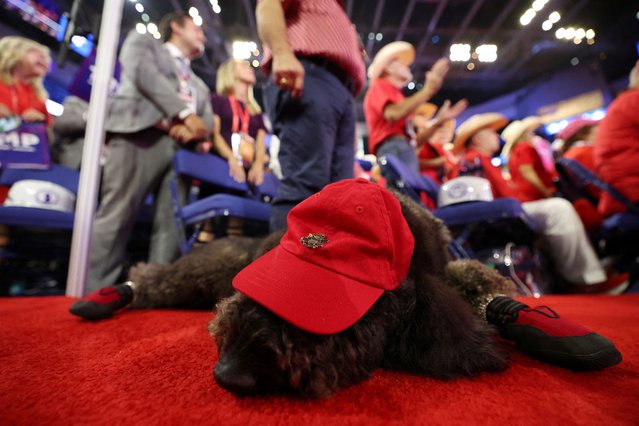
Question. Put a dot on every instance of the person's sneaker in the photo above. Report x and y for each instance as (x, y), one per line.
(615, 284)
(103, 303)
(542, 334)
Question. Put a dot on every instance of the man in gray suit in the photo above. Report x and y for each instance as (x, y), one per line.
(160, 101)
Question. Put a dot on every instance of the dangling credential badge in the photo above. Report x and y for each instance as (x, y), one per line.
(314, 241)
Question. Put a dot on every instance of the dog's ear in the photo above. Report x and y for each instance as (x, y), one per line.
(444, 338)
(431, 237)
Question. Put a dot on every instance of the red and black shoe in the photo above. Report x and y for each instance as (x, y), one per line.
(542, 334)
(103, 303)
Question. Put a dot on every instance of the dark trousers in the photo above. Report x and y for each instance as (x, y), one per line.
(317, 137)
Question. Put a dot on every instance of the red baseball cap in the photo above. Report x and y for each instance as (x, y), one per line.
(344, 247)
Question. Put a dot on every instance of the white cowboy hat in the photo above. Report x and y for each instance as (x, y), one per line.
(399, 50)
(468, 128)
(516, 130)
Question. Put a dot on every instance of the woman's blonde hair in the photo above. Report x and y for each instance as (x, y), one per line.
(12, 50)
(225, 85)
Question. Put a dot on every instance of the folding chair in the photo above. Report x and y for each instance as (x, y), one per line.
(211, 170)
(35, 260)
(407, 181)
(619, 233)
(36, 217)
(504, 212)
(481, 229)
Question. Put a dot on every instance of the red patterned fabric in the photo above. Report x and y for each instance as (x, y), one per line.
(322, 28)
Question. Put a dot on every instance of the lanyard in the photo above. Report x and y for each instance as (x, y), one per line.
(237, 119)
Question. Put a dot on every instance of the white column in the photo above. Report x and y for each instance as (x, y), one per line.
(94, 139)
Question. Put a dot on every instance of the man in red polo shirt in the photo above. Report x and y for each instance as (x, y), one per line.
(313, 56)
(386, 109)
(617, 147)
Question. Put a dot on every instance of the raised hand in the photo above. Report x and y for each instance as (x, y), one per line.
(446, 112)
(435, 76)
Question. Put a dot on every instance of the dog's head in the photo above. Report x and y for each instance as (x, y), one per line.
(261, 353)
(276, 346)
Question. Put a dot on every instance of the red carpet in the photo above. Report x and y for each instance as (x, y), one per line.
(154, 367)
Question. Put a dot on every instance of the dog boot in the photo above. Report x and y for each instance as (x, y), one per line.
(102, 303)
(542, 334)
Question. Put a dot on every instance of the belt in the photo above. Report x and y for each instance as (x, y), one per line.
(330, 66)
(395, 137)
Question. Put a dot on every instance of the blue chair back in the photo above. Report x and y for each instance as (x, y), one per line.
(586, 177)
(242, 201)
(61, 175)
(406, 180)
(207, 168)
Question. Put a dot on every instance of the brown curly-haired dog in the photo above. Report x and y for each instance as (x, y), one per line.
(201, 278)
(425, 326)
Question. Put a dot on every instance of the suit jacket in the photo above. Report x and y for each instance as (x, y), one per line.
(148, 90)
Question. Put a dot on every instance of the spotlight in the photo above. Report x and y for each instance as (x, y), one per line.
(590, 33)
(460, 52)
(580, 33)
(486, 53)
(560, 33)
(554, 17)
(546, 26)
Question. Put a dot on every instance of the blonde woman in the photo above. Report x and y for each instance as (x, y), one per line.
(241, 122)
(23, 65)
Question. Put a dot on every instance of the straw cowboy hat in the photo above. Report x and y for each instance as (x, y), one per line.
(400, 50)
(490, 120)
(516, 130)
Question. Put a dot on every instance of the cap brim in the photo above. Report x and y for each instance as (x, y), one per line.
(308, 296)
